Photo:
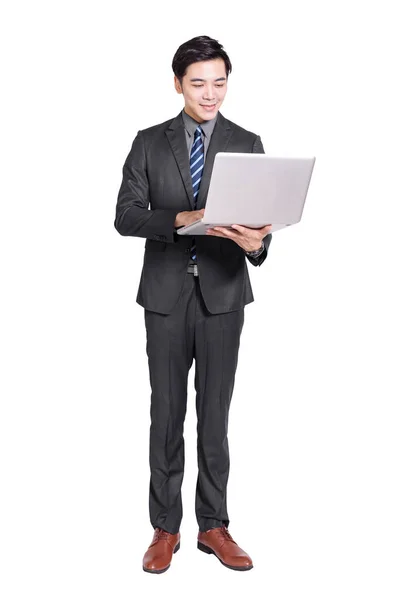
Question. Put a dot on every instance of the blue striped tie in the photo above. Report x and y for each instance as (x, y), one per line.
(196, 171)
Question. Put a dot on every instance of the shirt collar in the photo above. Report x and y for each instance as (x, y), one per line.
(191, 125)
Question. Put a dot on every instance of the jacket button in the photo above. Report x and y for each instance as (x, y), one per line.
(187, 250)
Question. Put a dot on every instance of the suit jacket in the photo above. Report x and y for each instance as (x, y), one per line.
(156, 174)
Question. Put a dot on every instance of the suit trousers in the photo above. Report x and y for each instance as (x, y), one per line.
(173, 341)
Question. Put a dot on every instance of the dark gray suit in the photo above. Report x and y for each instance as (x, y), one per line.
(186, 317)
(156, 172)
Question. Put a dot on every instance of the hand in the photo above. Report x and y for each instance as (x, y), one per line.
(188, 216)
(247, 238)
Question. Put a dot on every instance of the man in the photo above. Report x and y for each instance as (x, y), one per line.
(193, 291)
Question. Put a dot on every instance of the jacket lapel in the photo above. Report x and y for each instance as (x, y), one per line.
(176, 137)
(219, 141)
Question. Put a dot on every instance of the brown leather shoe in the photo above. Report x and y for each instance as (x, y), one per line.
(219, 541)
(159, 554)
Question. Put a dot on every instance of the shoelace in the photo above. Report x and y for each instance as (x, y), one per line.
(224, 533)
(160, 534)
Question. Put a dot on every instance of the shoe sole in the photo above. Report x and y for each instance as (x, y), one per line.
(209, 550)
(158, 571)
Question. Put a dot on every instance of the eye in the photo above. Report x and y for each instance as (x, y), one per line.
(197, 85)
(219, 85)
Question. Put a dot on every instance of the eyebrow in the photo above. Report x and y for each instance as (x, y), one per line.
(198, 79)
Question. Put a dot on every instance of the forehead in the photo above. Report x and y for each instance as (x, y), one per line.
(206, 69)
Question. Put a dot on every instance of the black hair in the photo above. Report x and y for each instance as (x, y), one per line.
(198, 48)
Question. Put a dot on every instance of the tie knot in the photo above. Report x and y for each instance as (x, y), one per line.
(198, 132)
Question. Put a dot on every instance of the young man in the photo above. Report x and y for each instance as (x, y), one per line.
(193, 291)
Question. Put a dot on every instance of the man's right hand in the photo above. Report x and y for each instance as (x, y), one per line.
(188, 216)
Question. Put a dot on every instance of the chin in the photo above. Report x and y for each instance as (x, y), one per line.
(207, 116)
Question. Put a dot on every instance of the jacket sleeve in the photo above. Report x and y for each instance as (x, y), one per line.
(133, 216)
(257, 262)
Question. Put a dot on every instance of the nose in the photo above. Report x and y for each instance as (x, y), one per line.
(208, 93)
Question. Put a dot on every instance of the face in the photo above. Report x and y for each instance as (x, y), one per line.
(204, 86)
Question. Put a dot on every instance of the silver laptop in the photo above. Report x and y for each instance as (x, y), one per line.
(254, 190)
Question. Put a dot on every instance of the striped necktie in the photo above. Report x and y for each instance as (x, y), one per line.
(196, 171)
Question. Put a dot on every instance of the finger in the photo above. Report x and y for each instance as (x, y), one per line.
(226, 232)
(242, 229)
(215, 231)
(215, 234)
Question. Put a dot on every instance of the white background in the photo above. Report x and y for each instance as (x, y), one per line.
(313, 492)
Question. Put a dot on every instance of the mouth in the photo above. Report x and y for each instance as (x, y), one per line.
(208, 107)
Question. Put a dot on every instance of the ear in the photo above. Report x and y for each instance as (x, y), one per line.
(178, 86)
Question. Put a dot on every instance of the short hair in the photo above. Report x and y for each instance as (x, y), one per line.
(198, 48)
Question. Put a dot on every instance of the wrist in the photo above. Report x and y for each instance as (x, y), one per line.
(257, 251)
(178, 222)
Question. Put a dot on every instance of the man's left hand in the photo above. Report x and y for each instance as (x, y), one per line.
(245, 237)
